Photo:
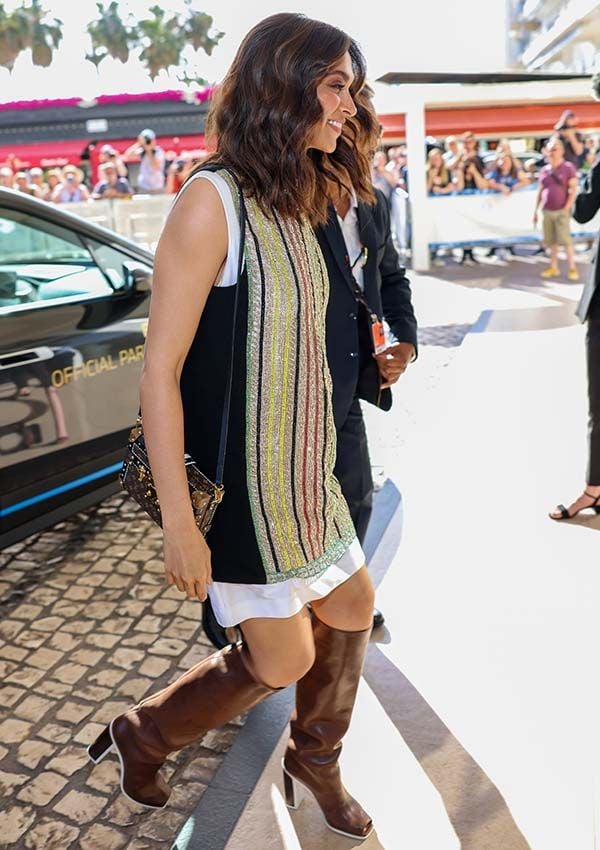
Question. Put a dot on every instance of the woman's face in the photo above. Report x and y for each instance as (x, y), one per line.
(436, 159)
(336, 102)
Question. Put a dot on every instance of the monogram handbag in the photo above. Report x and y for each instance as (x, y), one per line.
(205, 496)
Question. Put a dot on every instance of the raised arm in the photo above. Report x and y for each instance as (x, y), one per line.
(190, 252)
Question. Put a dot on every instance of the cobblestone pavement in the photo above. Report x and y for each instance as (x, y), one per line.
(87, 627)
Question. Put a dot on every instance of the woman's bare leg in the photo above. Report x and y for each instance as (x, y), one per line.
(350, 606)
(281, 650)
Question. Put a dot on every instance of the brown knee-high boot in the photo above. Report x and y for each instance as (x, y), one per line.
(325, 699)
(206, 697)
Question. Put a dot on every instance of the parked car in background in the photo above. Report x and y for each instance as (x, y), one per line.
(74, 303)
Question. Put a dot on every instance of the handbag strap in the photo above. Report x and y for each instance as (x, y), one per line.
(227, 401)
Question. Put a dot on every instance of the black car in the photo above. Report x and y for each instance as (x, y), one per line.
(74, 303)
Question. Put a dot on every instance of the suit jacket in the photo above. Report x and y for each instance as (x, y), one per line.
(587, 204)
(387, 291)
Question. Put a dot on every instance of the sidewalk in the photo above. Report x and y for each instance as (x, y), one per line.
(475, 726)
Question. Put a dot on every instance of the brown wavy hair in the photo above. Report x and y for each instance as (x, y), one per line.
(263, 113)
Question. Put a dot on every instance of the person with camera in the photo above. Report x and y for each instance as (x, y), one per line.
(151, 176)
(110, 154)
(566, 130)
(178, 172)
(110, 184)
(71, 189)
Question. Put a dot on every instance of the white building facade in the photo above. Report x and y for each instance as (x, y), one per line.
(554, 35)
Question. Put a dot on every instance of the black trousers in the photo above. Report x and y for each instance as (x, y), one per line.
(593, 367)
(353, 469)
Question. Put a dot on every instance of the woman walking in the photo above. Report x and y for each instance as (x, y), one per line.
(283, 535)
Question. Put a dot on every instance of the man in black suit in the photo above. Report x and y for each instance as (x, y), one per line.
(365, 278)
(586, 206)
(366, 283)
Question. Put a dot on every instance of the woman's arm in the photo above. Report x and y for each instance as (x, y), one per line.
(190, 252)
(478, 177)
(498, 187)
(522, 181)
(538, 200)
(459, 180)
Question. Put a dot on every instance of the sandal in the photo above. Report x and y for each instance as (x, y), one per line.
(564, 513)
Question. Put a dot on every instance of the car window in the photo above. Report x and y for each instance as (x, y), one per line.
(41, 262)
(114, 263)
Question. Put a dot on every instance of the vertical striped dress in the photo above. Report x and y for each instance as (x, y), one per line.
(283, 534)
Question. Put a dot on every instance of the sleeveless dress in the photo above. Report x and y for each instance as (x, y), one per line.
(283, 535)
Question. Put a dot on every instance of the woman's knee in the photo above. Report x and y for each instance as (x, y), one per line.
(280, 670)
(349, 606)
(282, 651)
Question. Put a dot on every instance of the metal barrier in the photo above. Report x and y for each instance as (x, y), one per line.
(490, 218)
(140, 218)
(477, 218)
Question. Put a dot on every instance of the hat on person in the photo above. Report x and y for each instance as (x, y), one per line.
(150, 134)
(107, 149)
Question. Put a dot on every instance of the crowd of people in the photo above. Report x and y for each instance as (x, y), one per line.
(458, 164)
(143, 168)
(455, 165)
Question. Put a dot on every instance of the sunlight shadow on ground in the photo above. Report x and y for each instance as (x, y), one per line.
(527, 319)
(477, 810)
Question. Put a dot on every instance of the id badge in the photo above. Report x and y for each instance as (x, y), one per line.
(377, 329)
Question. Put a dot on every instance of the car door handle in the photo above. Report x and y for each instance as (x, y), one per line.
(25, 357)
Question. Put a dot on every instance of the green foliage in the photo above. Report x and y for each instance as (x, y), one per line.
(28, 27)
(161, 38)
(197, 28)
(109, 34)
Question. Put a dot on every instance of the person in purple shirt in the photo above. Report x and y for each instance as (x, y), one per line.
(557, 188)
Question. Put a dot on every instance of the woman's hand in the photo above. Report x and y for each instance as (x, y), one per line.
(187, 562)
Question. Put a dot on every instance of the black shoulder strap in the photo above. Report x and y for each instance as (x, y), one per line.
(227, 402)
